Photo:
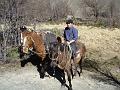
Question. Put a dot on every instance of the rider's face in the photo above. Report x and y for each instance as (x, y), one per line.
(69, 25)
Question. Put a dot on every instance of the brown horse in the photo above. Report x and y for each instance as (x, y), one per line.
(33, 47)
(31, 39)
(60, 53)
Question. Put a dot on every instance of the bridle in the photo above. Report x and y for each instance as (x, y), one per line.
(65, 51)
(32, 50)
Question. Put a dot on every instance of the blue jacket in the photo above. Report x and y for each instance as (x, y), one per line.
(70, 34)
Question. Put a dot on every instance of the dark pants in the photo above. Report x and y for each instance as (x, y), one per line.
(73, 48)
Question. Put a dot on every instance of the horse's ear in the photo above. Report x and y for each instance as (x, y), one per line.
(60, 39)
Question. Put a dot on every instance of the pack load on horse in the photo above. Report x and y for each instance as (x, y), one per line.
(48, 38)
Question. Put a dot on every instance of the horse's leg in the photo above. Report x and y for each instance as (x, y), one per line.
(69, 79)
(72, 72)
(63, 77)
(74, 67)
(41, 71)
(60, 76)
(78, 72)
(80, 66)
(24, 61)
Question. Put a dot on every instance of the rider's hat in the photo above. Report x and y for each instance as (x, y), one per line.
(69, 21)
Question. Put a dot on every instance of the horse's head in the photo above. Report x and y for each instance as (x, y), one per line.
(24, 48)
(33, 43)
(57, 48)
(53, 50)
(60, 54)
(28, 44)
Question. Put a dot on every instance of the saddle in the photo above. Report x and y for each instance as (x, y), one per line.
(72, 55)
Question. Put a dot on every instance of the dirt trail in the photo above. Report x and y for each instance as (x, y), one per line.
(14, 77)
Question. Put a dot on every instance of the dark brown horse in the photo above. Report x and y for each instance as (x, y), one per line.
(60, 53)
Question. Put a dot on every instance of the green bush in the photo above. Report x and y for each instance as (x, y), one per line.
(12, 53)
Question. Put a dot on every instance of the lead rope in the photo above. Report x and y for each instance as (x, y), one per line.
(70, 50)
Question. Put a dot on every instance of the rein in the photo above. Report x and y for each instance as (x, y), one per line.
(37, 52)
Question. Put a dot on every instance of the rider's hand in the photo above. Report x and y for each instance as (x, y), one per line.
(72, 41)
(68, 43)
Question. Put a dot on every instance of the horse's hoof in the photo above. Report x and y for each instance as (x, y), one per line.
(63, 85)
(47, 76)
(70, 88)
(23, 64)
(41, 77)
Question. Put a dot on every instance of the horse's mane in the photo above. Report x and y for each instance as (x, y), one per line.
(38, 43)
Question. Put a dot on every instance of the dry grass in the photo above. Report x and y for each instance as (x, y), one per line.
(102, 44)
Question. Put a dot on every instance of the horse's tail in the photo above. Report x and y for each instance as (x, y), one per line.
(84, 48)
(82, 57)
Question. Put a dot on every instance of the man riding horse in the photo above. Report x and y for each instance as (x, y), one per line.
(71, 36)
